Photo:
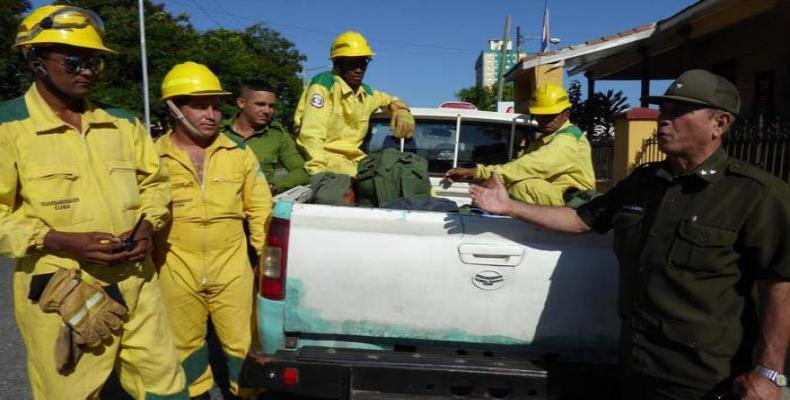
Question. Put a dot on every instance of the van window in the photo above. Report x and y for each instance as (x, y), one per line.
(480, 142)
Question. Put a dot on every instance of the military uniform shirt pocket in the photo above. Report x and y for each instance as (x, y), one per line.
(698, 336)
(702, 248)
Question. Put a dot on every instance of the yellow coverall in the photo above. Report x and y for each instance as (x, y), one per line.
(100, 179)
(554, 163)
(204, 267)
(332, 122)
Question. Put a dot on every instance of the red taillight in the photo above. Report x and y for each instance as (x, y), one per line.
(290, 376)
(274, 260)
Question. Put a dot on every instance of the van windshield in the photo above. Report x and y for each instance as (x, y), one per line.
(480, 142)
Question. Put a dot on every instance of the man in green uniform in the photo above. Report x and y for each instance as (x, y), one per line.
(254, 126)
(695, 235)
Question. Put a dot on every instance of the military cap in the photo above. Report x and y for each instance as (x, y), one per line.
(699, 86)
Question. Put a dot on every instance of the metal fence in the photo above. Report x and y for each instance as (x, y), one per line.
(649, 152)
(603, 160)
(767, 147)
(764, 145)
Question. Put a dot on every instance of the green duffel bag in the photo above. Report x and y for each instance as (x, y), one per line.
(388, 175)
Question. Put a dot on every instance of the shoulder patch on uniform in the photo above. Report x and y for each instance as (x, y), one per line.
(325, 79)
(572, 130)
(317, 101)
(14, 110)
(367, 89)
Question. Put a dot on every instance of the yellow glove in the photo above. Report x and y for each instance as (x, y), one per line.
(402, 123)
(86, 308)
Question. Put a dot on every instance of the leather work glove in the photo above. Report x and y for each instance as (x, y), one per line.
(89, 312)
(402, 123)
(67, 350)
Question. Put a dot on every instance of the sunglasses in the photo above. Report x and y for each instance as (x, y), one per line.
(355, 62)
(75, 64)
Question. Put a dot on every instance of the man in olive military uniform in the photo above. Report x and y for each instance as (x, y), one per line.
(698, 236)
(254, 126)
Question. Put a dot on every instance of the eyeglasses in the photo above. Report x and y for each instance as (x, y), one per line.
(75, 64)
(64, 18)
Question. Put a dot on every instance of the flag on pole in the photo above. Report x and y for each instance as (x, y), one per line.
(546, 39)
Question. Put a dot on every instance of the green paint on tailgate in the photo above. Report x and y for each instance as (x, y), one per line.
(302, 319)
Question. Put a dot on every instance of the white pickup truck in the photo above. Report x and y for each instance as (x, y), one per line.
(366, 303)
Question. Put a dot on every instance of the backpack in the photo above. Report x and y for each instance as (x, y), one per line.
(387, 175)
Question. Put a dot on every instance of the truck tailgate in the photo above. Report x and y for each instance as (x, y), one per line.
(446, 277)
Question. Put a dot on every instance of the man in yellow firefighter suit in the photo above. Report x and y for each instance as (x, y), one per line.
(217, 185)
(332, 114)
(560, 159)
(74, 179)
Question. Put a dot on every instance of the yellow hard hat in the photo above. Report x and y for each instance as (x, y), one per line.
(350, 44)
(549, 99)
(191, 79)
(68, 25)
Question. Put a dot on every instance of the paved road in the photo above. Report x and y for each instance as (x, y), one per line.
(13, 374)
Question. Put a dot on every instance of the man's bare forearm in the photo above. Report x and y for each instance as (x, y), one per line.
(775, 324)
(560, 219)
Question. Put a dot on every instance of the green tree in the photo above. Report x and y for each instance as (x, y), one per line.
(596, 115)
(258, 52)
(484, 98)
(233, 55)
(13, 80)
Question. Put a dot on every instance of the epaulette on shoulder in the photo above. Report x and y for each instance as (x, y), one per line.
(325, 79)
(14, 110)
(117, 112)
(745, 169)
(648, 167)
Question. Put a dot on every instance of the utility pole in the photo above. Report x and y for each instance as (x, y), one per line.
(144, 62)
(518, 43)
(502, 61)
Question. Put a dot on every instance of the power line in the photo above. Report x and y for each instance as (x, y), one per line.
(211, 17)
(238, 17)
(219, 5)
